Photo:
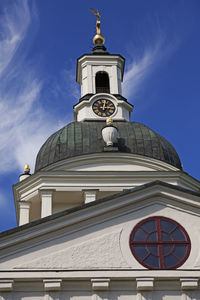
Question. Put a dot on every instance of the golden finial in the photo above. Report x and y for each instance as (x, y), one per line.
(98, 38)
(109, 121)
(27, 168)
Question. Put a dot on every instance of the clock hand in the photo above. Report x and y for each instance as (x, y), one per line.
(105, 107)
(104, 104)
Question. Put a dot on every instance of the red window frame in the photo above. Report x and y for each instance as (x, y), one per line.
(160, 243)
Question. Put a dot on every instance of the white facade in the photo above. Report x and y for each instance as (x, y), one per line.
(85, 253)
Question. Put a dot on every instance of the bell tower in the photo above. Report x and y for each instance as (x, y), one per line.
(100, 75)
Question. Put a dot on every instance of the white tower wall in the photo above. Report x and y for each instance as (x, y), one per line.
(88, 66)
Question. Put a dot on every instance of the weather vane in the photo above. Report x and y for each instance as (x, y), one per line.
(98, 38)
(97, 14)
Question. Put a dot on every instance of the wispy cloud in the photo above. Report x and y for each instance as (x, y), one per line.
(139, 68)
(69, 76)
(24, 124)
(65, 86)
(12, 31)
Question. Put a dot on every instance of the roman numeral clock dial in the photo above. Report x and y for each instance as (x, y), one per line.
(103, 108)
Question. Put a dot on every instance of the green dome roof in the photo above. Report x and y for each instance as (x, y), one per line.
(79, 138)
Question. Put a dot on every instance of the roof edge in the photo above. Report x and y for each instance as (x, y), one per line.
(95, 203)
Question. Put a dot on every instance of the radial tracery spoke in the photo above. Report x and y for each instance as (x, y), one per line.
(146, 256)
(144, 230)
(173, 229)
(176, 256)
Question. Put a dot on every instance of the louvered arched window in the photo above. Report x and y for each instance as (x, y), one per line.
(102, 82)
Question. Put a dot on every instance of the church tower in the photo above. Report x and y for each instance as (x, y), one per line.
(108, 212)
(100, 75)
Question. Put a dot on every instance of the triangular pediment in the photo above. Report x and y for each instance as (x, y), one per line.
(96, 235)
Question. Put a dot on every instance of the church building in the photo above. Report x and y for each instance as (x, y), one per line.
(109, 212)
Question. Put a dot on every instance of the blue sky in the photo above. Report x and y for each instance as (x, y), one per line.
(39, 44)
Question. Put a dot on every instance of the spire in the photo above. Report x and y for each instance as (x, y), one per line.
(98, 39)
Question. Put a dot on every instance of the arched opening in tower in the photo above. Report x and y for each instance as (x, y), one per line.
(102, 82)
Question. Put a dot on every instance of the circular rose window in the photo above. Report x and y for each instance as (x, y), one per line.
(160, 243)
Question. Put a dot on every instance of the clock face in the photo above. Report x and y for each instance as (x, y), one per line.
(103, 108)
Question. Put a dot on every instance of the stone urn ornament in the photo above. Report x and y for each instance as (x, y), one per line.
(110, 133)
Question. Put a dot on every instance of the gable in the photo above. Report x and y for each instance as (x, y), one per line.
(98, 236)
